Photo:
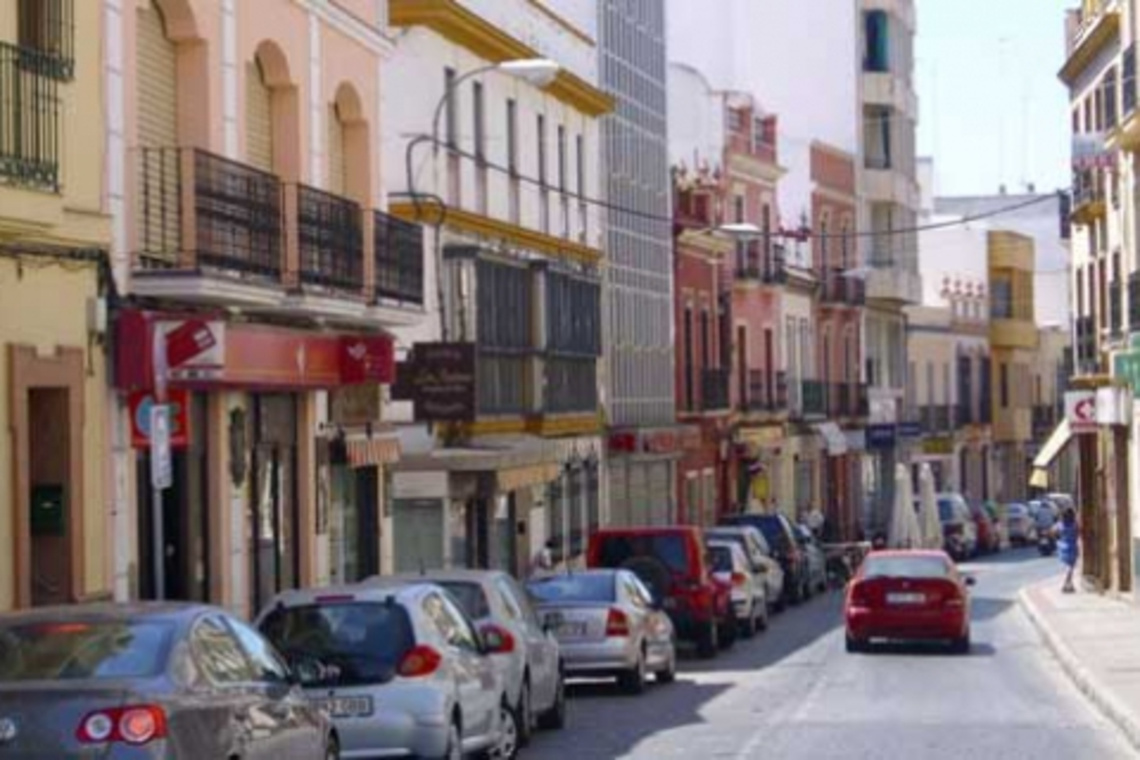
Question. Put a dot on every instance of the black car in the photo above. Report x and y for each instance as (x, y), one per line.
(781, 536)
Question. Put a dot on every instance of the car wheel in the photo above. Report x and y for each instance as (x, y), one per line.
(855, 646)
(332, 749)
(555, 717)
(727, 634)
(507, 747)
(668, 674)
(632, 681)
(524, 714)
(708, 641)
(747, 628)
(454, 750)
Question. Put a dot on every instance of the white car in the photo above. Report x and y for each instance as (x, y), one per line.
(400, 670)
(749, 594)
(759, 553)
(528, 654)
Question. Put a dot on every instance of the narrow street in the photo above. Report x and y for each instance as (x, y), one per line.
(794, 693)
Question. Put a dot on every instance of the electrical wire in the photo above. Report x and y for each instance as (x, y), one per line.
(482, 161)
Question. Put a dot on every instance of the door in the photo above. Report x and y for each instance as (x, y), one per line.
(541, 647)
(658, 631)
(476, 682)
(417, 530)
(228, 678)
(51, 496)
(274, 550)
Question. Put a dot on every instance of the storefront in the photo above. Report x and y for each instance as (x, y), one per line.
(760, 454)
(642, 466)
(702, 473)
(270, 488)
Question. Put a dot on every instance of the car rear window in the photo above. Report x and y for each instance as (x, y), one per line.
(905, 567)
(592, 587)
(74, 650)
(721, 557)
(770, 525)
(343, 643)
(669, 549)
(471, 597)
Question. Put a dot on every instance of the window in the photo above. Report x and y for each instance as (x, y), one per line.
(1110, 107)
(1003, 371)
(471, 597)
(562, 158)
(452, 625)
(114, 649)
(580, 185)
(1001, 298)
(48, 27)
(689, 369)
(218, 653)
(543, 180)
(876, 53)
(451, 109)
(267, 665)
(515, 189)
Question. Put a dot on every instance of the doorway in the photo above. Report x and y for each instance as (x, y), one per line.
(354, 532)
(274, 520)
(51, 496)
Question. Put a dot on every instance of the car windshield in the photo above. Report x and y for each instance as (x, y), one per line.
(769, 525)
(721, 557)
(470, 596)
(914, 566)
(668, 548)
(343, 643)
(587, 587)
(74, 650)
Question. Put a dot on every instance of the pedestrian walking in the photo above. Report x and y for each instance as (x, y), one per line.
(543, 560)
(1068, 545)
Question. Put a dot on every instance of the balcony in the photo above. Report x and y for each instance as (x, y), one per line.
(847, 400)
(1115, 309)
(572, 384)
(765, 391)
(220, 233)
(1088, 353)
(503, 385)
(841, 288)
(814, 397)
(1089, 194)
(758, 261)
(30, 119)
(1089, 29)
(1045, 418)
(934, 419)
(714, 390)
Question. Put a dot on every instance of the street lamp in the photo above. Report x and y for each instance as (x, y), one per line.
(740, 230)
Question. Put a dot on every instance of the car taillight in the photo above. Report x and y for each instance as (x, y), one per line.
(739, 579)
(617, 623)
(504, 640)
(954, 600)
(418, 662)
(136, 724)
(859, 596)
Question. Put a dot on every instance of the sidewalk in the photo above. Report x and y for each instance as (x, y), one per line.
(1097, 640)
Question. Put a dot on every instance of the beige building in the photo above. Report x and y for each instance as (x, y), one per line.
(55, 546)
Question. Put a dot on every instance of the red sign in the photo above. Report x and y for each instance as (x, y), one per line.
(140, 404)
(661, 442)
(624, 442)
(188, 340)
(366, 359)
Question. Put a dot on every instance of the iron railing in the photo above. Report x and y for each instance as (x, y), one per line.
(1134, 301)
(237, 212)
(30, 118)
(48, 28)
(714, 389)
(502, 384)
(841, 288)
(399, 254)
(814, 398)
(765, 392)
(760, 260)
(330, 239)
(1115, 307)
(571, 384)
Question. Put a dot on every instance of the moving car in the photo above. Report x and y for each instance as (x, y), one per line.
(150, 680)
(608, 624)
(671, 562)
(749, 595)
(401, 670)
(816, 559)
(759, 554)
(908, 595)
(959, 531)
(778, 530)
(528, 654)
(1022, 530)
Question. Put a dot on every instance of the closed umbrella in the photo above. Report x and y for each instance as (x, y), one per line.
(904, 531)
(928, 517)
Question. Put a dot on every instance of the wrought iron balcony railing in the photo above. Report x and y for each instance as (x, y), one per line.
(30, 119)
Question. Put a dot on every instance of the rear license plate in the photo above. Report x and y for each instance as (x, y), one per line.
(344, 707)
(571, 630)
(906, 598)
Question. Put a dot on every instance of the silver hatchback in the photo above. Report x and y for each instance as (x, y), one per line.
(401, 671)
(608, 625)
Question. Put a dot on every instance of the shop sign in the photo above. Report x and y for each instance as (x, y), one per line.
(910, 430)
(140, 404)
(625, 442)
(660, 442)
(440, 381)
(943, 446)
(195, 349)
(1080, 411)
(880, 436)
(161, 466)
(355, 404)
(366, 359)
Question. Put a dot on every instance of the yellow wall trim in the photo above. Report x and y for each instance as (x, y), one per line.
(1013, 333)
(1106, 28)
(497, 229)
(451, 20)
(550, 425)
(563, 22)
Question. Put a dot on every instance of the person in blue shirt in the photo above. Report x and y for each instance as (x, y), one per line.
(1068, 545)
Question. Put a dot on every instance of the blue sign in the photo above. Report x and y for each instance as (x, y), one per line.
(910, 430)
(880, 436)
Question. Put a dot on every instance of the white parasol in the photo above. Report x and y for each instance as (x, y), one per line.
(928, 518)
(904, 530)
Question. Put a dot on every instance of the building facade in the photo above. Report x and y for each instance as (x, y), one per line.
(509, 191)
(264, 277)
(640, 354)
(55, 287)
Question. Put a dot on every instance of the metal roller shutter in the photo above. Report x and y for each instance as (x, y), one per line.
(258, 119)
(158, 90)
(660, 498)
(417, 533)
(336, 153)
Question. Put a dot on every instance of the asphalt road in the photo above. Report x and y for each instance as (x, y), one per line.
(794, 693)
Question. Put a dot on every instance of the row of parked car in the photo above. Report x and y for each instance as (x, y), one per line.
(970, 529)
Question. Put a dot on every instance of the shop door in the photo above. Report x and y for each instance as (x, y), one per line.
(417, 534)
(354, 532)
(367, 522)
(274, 541)
(51, 496)
(659, 499)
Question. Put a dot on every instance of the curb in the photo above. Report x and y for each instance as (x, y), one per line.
(1088, 684)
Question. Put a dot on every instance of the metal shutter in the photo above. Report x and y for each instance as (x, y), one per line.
(660, 487)
(258, 119)
(417, 533)
(158, 90)
(619, 494)
(336, 153)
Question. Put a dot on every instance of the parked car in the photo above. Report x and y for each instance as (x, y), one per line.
(150, 680)
(816, 559)
(1045, 515)
(608, 624)
(401, 670)
(529, 660)
(777, 529)
(759, 554)
(959, 531)
(672, 563)
(749, 595)
(1019, 524)
(989, 538)
(1061, 502)
(908, 595)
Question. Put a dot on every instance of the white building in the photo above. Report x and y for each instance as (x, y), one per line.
(515, 272)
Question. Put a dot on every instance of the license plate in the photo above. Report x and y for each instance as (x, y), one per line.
(344, 707)
(572, 629)
(906, 598)
(670, 603)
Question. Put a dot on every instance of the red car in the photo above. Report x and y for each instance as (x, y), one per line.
(671, 562)
(908, 595)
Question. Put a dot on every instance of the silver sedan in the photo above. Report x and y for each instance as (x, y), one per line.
(608, 625)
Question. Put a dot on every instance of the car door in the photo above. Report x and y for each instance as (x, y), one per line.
(300, 730)
(227, 685)
(658, 630)
(541, 646)
(479, 686)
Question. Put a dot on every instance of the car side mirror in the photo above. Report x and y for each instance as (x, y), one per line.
(971, 580)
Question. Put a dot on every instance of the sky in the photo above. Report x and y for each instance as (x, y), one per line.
(992, 110)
